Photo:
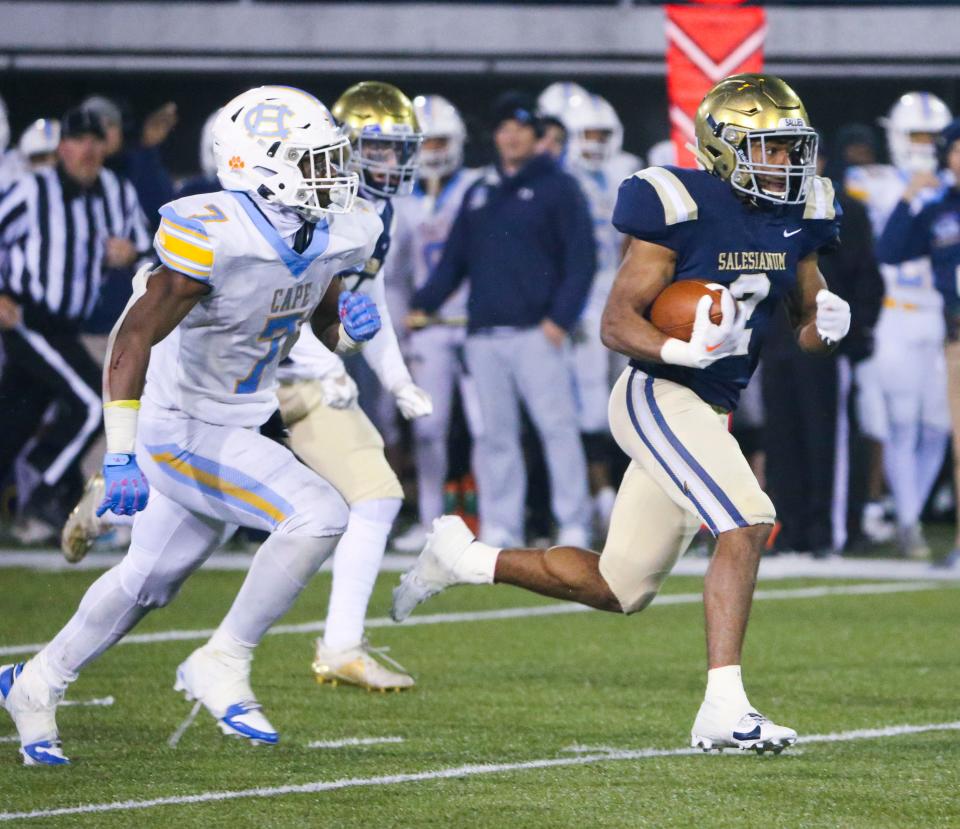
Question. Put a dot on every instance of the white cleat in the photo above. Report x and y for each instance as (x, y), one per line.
(83, 527)
(440, 565)
(411, 541)
(222, 683)
(32, 705)
(359, 666)
(716, 729)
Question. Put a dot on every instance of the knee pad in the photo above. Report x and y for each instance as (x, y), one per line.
(152, 589)
(323, 513)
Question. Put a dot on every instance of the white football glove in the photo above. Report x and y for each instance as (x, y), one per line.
(709, 341)
(412, 401)
(833, 317)
(339, 390)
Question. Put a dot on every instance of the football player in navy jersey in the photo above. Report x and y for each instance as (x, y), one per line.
(752, 221)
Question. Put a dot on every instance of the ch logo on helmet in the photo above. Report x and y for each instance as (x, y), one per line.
(236, 163)
(266, 120)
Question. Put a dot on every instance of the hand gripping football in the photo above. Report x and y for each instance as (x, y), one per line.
(675, 308)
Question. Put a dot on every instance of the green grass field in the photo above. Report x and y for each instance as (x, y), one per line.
(514, 693)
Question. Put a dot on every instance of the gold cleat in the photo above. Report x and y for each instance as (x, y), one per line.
(358, 667)
(83, 527)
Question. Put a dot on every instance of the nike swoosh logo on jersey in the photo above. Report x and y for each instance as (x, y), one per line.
(791, 233)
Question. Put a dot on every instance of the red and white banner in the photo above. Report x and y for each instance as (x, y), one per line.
(706, 43)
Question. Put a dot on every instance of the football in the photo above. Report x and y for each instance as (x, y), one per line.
(675, 308)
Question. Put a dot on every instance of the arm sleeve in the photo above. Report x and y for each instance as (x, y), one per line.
(579, 256)
(184, 246)
(905, 235)
(382, 353)
(451, 268)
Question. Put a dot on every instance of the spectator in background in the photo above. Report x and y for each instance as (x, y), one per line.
(523, 239)
(856, 146)
(138, 160)
(934, 231)
(39, 142)
(554, 141)
(815, 460)
(59, 228)
(206, 181)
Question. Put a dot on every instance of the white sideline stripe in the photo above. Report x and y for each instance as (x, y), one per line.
(13, 738)
(512, 613)
(96, 702)
(443, 774)
(354, 741)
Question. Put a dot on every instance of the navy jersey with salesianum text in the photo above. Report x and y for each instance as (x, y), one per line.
(717, 236)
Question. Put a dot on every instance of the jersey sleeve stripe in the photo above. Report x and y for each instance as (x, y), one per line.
(678, 204)
(175, 263)
(187, 248)
(192, 227)
(819, 204)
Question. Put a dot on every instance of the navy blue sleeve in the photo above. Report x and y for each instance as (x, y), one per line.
(144, 168)
(450, 270)
(639, 212)
(578, 254)
(905, 236)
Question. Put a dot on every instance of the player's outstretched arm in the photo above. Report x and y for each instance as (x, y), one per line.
(820, 318)
(645, 271)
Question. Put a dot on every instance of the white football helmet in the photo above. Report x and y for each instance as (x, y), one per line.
(208, 161)
(594, 131)
(915, 112)
(438, 118)
(662, 154)
(282, 143)
(41, 138)
(4, 126)
(558, 97)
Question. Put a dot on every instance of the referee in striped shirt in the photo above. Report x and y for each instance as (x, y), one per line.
(59, 229)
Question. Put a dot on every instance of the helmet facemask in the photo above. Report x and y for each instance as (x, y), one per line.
(760, 179)
(593, 152)
(387, 162)
(437, 162)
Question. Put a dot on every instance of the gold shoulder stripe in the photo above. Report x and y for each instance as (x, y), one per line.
(678, 204)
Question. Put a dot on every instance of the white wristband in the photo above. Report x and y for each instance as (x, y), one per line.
(345, 343)
(120, 425)
(677, 353)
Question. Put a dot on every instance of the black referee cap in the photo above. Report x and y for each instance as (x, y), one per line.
(79, 121)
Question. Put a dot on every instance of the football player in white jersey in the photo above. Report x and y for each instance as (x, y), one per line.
(318, 399)
(595, 157)
(199, 344)
(435, 344)
(903, 408)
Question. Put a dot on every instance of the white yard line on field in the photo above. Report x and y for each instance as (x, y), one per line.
(96, 702)
(514, 613)
(446, 773)
(354, 741)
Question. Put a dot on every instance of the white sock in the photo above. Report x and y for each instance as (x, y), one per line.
(280, 570)
(227, 643)
(479, 563)
(356, 565)
(725, 687)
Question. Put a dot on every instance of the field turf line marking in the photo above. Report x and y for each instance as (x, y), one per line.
(559, 609)
(13, 738)
(456, 771)
(96, 702)
(354, 741)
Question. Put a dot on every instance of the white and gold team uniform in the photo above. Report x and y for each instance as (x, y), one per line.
(595, 366)
(435, 351)
(910, 330)
(212, 382)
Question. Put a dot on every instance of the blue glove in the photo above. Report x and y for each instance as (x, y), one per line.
(359, 315)
(125, 487)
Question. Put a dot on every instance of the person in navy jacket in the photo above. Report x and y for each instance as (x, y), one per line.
(524, 242)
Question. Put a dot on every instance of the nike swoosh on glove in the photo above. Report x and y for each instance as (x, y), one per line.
(833, 317)
(413, 402)
(125, 486)
(359, 315)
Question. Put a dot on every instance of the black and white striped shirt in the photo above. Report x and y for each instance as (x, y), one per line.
(53, 236)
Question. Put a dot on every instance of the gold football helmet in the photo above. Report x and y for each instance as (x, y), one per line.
(753, 131)
(384, 135)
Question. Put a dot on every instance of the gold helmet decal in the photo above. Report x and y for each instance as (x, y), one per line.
(384, 135)
(753, 131)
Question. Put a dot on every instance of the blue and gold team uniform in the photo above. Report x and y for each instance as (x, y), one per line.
(686, 468)
(719, 237)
